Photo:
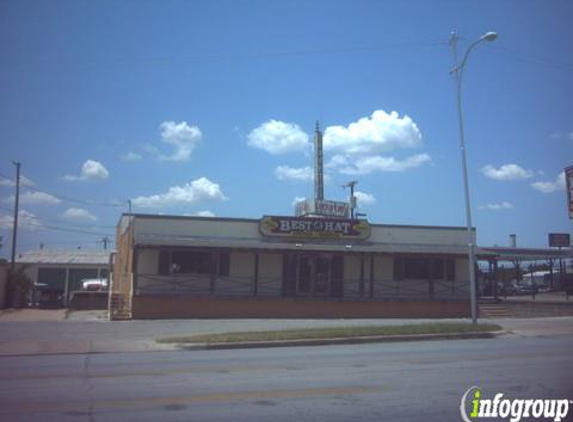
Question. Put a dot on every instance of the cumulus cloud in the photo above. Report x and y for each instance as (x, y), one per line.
(496, 207)
(26, 221)
(361, 147)
(78, 214)
(91, 170)
(131, 156)
(549, 187)
(506, 172)
(34, 198)
(182, 137)
(190, 193)
(367, 165)
(381, 132)
(290, 173)
(24, 181)
(364, 199)
(276, 137)
(297, 199)
(205, 213)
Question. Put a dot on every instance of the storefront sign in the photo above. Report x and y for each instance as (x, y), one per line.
(322, 207)
(314, 227)
(559, 240)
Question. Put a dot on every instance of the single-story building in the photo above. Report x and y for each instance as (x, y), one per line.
(275, 267)
(60, 272)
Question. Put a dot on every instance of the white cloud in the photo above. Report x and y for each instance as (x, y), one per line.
(33, 198)
(549, 187)
(205, 213)
(190, 193)
(182, 137)
(364, 199)
(24, 181)
(359, 147)
(276, 137)
(131, 156)
(496, 207)
(381, 132)
(26, 221)
(290, 173)
(507, 172)
(367, 165)
(297, 199)
(79, 214)
(91, 170)
(559, 135)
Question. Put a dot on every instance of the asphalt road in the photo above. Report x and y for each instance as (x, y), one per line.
(418, 381)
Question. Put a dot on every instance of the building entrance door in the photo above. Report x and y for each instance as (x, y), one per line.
(313, 275)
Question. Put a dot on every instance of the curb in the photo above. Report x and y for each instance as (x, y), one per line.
(339, 341)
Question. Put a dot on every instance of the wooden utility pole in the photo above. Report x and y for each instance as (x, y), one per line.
(15, 226)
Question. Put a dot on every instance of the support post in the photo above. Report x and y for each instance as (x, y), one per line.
(371, 275)
(256, 279)
(362, 275)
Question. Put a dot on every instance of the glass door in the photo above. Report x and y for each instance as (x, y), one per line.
(313, 275)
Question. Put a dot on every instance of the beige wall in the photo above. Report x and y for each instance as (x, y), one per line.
(148, 261)
(243, 229)
(462, 269)
(197, 227)
(242, 264)
(270, 274)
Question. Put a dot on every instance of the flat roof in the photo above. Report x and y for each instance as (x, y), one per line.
(64, 257)
(257, 220)
(528, 254)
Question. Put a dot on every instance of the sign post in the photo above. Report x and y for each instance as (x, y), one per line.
(569, 184)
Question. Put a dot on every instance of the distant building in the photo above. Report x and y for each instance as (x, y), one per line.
(61, 271)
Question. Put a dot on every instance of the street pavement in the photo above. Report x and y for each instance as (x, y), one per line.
(420, 381)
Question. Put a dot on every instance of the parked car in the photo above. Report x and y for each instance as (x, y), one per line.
(94, 284)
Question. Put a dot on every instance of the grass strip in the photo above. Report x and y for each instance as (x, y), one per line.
(334, 332)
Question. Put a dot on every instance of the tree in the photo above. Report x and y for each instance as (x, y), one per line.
(19, 285)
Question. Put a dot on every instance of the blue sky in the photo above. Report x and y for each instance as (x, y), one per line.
(209, 107)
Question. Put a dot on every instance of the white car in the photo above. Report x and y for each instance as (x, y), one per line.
(94, 284)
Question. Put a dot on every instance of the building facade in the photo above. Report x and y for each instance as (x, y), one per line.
(275, 267)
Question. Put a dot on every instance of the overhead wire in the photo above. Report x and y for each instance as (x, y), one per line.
(66, 198)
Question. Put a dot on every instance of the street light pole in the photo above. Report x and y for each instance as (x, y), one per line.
(457, 70)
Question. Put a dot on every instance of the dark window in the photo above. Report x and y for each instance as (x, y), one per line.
(424, 269)
(438, 269)
(185, 262)
(398, 269)
(52, 278)
(164, 262)
(224, 264)
(416, 269)
(450, 269)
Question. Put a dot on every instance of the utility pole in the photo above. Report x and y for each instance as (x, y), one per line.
(129, 205)
(105, 241)
(15, 226)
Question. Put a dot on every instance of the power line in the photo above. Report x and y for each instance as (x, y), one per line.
(67, 198)
(239, 56)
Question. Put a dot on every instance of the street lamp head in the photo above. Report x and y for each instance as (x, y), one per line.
(489, 36)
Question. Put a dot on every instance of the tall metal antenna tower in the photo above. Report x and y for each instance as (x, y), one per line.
(318, 165)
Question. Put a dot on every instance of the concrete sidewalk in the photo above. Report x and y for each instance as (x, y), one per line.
(86, 332)
(32, 314)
